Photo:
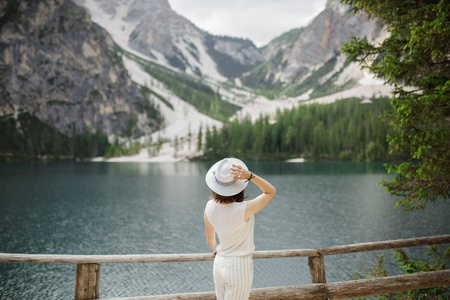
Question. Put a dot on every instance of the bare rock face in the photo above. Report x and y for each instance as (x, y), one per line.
(158, 26)
(59, 66)
(291, 60)
(323, 39)
(246, 55)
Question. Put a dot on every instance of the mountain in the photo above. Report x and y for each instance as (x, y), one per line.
(153, 29)
(61, 68)
(135, 68)
(309, 60)
(303, 62)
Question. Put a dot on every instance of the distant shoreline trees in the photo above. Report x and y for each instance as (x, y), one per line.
(347, 130)
(28, 139)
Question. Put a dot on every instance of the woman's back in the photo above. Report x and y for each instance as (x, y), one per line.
(235, 234)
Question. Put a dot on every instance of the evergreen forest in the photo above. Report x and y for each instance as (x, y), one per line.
(349, 129)
(28, 139)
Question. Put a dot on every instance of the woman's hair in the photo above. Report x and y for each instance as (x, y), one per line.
(228, 199)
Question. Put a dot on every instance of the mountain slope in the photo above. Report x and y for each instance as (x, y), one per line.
(309, 58)
(188, 88)
(153, 29)
(61, 68)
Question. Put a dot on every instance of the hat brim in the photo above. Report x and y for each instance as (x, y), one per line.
(230, 190)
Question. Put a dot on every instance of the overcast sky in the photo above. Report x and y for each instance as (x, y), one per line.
(258, 20)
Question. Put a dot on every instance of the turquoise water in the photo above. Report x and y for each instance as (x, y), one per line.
(145, 208)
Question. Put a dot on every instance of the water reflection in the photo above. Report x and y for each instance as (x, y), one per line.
(146, 169)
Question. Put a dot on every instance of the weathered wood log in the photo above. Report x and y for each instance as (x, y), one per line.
(363, 247)
(187, 296)
(139, 258)
(384, 285)
(312, 291)
(317, 269)
(335, 290)
(285, 253)
(157, 258)
(87, 282)
(102, 259)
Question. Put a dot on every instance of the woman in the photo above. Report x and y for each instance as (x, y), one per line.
(228, 215)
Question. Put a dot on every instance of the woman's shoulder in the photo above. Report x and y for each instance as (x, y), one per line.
(211, 202)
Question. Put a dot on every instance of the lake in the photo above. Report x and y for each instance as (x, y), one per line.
(157, 208)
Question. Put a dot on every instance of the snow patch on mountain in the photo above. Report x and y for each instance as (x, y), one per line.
(363, 92)
(351, 72)
(184, 117)
(370, 79)
(340, 61)
(200, 60)
(119, 29)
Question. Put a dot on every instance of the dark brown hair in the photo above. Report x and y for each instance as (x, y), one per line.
(227, 199)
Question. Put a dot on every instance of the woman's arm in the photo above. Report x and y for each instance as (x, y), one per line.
(255, 205)
(210, 235)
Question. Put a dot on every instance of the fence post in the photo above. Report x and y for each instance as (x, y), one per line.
(87, 282)
(317, 268)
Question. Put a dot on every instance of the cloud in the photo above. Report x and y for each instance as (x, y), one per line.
(258, 20)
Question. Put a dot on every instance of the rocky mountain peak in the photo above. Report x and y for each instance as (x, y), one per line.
(140, 9)
(306, 50)
(337, 6)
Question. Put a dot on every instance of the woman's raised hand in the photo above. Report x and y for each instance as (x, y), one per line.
(239, 173)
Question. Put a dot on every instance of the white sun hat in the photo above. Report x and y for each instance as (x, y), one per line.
(220, 180)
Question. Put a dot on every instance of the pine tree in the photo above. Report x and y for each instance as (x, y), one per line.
(200, 139)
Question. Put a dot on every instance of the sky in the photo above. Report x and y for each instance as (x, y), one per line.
(258, 20)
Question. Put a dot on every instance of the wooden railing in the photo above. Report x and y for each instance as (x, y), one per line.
(88, 272)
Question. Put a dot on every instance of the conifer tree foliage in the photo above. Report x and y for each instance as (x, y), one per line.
(347, 130)
(415, 59)
(27, 138)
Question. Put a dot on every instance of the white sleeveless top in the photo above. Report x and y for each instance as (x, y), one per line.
(235, 235)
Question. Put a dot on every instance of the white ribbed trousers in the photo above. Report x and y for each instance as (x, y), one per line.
(233, 277)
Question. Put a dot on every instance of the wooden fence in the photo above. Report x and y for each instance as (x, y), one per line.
(88, 272)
